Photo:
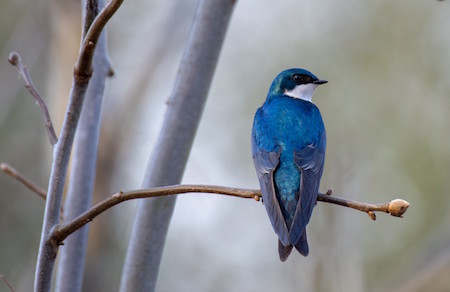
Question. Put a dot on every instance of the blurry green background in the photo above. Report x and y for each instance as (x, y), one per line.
(386, 108)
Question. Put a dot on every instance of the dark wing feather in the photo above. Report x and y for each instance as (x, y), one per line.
(265, 164)
(284, 251)
(302, 245)
(310, 160)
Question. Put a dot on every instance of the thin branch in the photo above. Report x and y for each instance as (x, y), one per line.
(83, 66)
(7, 282)
(396, 207)
(12, 172)
(16, 60)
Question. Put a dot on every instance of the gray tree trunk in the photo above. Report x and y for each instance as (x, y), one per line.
(169, 158)
(70, 269)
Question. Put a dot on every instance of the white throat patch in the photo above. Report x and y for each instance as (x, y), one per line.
(302, 91)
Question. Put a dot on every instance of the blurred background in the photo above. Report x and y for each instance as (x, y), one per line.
(386, 108)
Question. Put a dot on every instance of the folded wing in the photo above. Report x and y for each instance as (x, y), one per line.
(310, 160)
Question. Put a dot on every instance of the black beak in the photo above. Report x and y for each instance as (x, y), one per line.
(318, 82)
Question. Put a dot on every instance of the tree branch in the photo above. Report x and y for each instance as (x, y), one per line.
(16, 60)
(82, 74)
(70, 269)
(83, 66)
(12, 172)
(396, 207)
(10, 287)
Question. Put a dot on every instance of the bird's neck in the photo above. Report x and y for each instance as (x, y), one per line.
(303, 91)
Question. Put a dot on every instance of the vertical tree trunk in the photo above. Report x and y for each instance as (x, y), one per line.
(61, 155)
(48, 247)
(82, 176)
(168, 161)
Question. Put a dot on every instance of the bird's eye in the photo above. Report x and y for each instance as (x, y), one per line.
(301, 78)
(297, 77)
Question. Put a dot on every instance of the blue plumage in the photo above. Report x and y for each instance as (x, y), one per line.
(288, 146)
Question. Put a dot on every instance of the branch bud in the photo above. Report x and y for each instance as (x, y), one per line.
(398, 207)
(14, 58)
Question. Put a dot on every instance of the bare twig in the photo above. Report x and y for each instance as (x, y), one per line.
(16, 60)
(395, 207)
(7, 283)
(12, 172)
(83, 66)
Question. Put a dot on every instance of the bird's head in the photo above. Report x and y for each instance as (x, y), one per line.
(296, 83)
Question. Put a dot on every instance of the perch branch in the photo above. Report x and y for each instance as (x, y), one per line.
(395, 207)
(16, 60)
(12, 172)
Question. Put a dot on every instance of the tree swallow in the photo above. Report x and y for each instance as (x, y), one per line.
(288, 147)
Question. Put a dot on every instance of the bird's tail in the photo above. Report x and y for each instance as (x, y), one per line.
(284, 251)
(302, 245)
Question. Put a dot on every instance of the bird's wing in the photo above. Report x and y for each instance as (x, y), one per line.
(265, 164)
(310, 160)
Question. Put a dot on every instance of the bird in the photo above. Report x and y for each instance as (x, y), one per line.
(288, 149)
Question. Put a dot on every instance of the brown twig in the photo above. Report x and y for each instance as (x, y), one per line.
(395, 207)
(16, 60)
(12, 172)
(7, 283)
(83, 66)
